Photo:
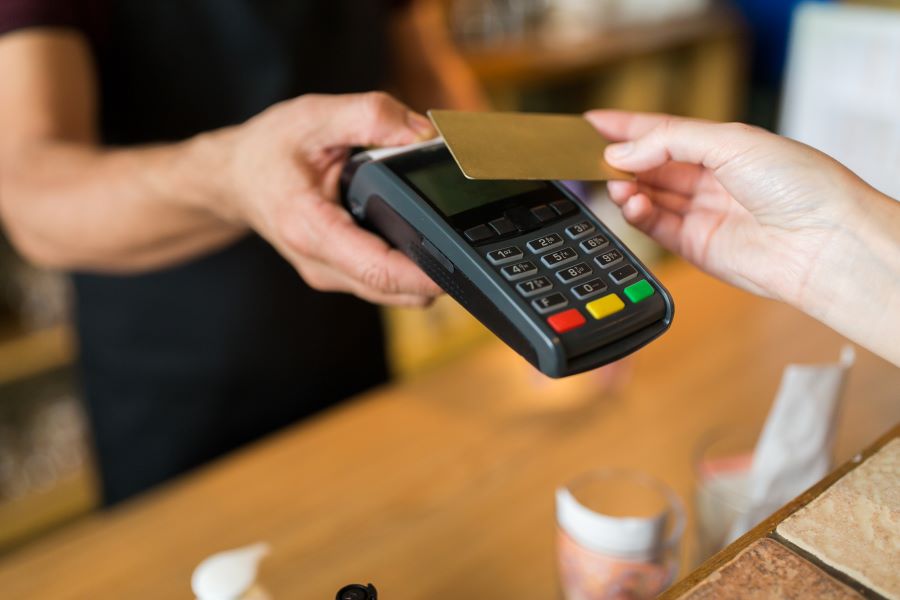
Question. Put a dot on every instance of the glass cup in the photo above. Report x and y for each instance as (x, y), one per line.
(618, 533)
(722, 462)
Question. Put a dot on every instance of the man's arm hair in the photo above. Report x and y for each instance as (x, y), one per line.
(68, 203)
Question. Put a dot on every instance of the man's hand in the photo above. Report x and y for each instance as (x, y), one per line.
(68, 203)
(280, 173)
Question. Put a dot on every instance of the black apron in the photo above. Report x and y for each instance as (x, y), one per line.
(182, 364)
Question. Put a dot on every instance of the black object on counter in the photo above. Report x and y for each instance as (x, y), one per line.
(357, 591)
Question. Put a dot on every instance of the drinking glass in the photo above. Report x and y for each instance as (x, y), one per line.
(722, 462)
(618, 533)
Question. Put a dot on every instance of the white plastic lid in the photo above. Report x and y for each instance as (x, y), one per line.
(634, 538)
(228, 575)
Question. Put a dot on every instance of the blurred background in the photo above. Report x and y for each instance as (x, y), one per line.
(819, 76)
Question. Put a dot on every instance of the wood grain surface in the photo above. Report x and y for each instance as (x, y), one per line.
(442, 486)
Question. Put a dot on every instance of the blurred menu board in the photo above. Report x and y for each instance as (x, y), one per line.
(842, 89)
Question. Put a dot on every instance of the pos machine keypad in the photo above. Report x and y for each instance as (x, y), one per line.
(524, 257)
(574, 275)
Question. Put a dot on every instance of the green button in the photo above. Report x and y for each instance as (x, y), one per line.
(639, 291)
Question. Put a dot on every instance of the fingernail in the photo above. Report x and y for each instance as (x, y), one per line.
(620, 150)
(421, 125)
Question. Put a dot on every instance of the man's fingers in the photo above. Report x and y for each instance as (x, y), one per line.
(342, 282)
(398, 300)
(393, 273)
(366, 257)
(368, 119)
(326, 279)
(333, 254)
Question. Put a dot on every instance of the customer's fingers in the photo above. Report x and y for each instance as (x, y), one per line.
(658, 222)
(671, 201)
(619, 125)
(622, 126)
(682, 178)
(710, 145)
(621, 191)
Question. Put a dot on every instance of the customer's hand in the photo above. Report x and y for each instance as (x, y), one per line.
(766, 213)
(280, 175)
(743, 204)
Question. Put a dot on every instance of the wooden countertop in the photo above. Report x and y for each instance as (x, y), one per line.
(442, 487)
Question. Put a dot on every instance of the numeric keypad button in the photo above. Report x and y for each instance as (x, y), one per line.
(608, 259)
(589, 288)
(545, 243)
(533, 287)
(501, 256)
(519, 270)
(594, 244)
(559, 258)
(574, 273)
(623, 274)
(549, 303)
(579, 230)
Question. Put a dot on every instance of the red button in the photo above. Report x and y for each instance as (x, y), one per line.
(566, 320)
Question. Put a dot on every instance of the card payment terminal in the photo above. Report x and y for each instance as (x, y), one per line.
(524, 257)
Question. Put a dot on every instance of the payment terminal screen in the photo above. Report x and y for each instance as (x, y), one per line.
(451, 193)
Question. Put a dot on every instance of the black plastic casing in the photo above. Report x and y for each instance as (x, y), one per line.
(383, 201)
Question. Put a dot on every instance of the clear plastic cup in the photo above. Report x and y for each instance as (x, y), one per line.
(722, 462)
(618, 533)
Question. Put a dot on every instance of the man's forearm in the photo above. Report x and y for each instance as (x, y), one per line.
(73, 206)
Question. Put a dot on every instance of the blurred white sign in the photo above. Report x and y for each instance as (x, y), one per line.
(842, 90)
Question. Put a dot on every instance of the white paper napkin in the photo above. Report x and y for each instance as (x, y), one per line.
(794, 450)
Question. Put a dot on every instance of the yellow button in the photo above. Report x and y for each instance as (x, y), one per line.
(605, 306)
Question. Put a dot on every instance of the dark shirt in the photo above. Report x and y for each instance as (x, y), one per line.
(182, 364)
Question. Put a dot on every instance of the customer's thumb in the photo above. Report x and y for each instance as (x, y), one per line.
(683, 140)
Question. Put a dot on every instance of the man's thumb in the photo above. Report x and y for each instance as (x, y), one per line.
(371, 119)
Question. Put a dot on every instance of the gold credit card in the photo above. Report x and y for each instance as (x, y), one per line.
(512, 145)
